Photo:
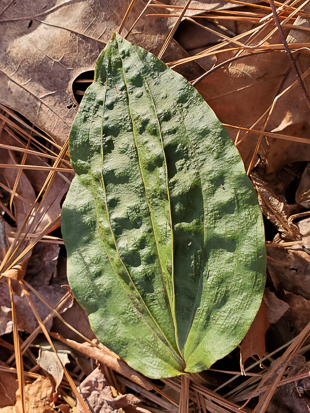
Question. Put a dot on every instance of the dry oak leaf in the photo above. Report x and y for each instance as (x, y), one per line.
(46, 44)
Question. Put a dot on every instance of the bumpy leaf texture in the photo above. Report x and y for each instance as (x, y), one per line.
(163, 231)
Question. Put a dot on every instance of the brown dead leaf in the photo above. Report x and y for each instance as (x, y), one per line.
(275, 308)
(298, 315)
(26, 320)
(242, 93)
(304, 228)
(193, 37)
(48, 44)
(174, 52)
(97, 393)
(46, 211)
(64, 408)
(49, 209)
(254, 341)
(38, 398)
(289, 269)
(8, 387)
(24, 197)
(291, 114)
(42, 265)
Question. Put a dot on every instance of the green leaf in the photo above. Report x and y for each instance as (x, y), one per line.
(162, 227)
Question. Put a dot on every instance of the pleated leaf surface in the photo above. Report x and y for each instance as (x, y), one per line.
(162, 227)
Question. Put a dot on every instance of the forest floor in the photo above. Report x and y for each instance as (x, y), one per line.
(250, 62)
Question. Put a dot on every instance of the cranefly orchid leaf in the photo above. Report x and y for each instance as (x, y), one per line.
(162, 226)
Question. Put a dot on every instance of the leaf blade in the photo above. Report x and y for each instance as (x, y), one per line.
(169, 200)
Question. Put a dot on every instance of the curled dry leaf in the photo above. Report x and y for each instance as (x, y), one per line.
(96, 391)
(275, 208)
(289, 267)
(49, 362)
